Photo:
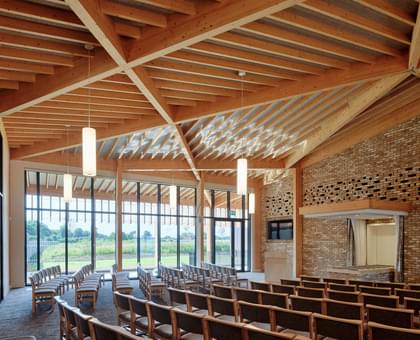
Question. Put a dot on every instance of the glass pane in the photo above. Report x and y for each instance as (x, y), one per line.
(236, 210)
(207, 202)
(31, 244)
(168, 241)
(222, 240)
(129, 240)
(238, 245)
(148, 241)
(187, 201)
(221, 200)
(206, 240)
(187, 240)
(79, 240)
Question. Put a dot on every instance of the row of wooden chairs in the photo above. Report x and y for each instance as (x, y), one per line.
(177, 278)
(75, 325)
(148, 285)
(87, 284)
(201, 275)
(227, 275)
(120, 281)
(46, 284)
(166, 322)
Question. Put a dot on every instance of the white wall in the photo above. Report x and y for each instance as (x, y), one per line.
(6, 162)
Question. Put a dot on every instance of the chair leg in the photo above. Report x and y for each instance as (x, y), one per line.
(33, 305)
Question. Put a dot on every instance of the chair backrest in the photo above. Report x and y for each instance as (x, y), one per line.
(222, 306)
(69, 315)
(253, 333)
(138, 306)
(294, 320)
(332, 280)
(222, 330)
(100, 331)
(361, 283)
(414, 286)
(378, 331)
(274, 299)
(375, 290)
(306, 304)
(344, 310)
(222, 291)
(284, 289)
(342, 288)
(413, 304)
(402, 293)
(337, 328)
(392, 285)
(290, 282)
(196, 300)
(159, 313)
(310, 292)
(265, 286)
(177, 296)
(189, 322)
(247, 295)
(82, 323)
(314, 284)
(249, 312)
(390, 316)
(343, 296)
(379, 300)
(122, 301)
(310, 278)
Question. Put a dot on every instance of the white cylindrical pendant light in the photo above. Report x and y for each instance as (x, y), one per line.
(89, 151)
(242, 176)
(67, 188)
(172, 197)
(251, 203)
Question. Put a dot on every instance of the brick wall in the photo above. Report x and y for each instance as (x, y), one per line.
(385, 167)
(277, 203)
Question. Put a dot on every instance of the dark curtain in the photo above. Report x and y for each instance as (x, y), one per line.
(350, 244)
(399, 259)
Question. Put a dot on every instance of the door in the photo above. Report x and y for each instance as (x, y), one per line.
(229, 238)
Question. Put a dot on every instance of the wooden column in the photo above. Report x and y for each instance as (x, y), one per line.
(200, 220)
(257, 228)
(118, 207)
(297, 220)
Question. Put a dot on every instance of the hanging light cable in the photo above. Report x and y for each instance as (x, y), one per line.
(242, 163)
(89, 136)
(67, 178)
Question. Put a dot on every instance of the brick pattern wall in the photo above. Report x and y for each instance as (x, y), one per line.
(277, 203)
(385, 167)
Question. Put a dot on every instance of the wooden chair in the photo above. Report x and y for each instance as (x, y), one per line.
(160, 321)
(414, 286)
(310, 292)
(310, 278)
(265, 286)
(274, 299)
(242, 294)
(41, 296)
(378, 300)
(337, 328)
(178, 298)
(378, 331)
(187, 325)
(392, 285)
(283, 289)
(122, 303)
(343, 296)
(257, 315)
(342, 288)
(314, 284)
(82, 324)
(252, 333)
(62, 316)
(197, 303)
(375, 290)
(291, 322)
(391, 316)
(222, 291)
(306, 304)
(344, 310)
(332, 280)
(222, 330)
(361, 283)
(290, 282)
(101, 331)
(403, 293)
(70, 330)
(121, 283)
(224, 309)
(413, 304)
(139, 316)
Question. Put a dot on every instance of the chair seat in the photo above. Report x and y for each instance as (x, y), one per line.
(142, 322)
(261, 325)
(201, 311)
(224, 317)
(86, 289)
(192, 336)
(125, 316)
(44, 291)
(293, 332)
(164, 331)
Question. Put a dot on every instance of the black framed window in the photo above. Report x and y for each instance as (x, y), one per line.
(280, 230)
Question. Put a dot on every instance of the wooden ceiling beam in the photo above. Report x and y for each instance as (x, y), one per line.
(18, 76)
(180, 6)
(414, 53)
(15, 65)
(9, 84)
(309, 84)
(354, 107)
(35, 57)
